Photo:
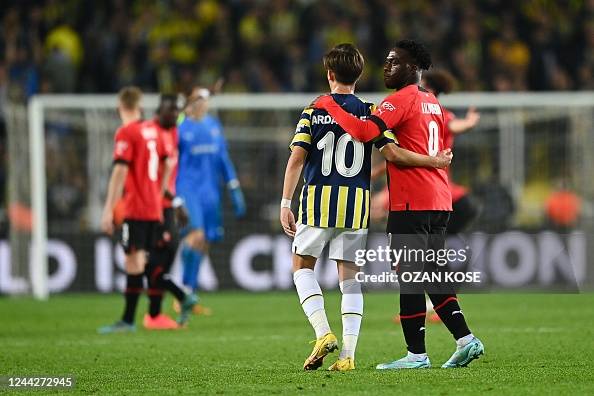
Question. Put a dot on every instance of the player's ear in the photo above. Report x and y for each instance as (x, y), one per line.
(330, 75)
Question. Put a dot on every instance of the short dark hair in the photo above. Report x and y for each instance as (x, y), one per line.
(165, 98)
(418, 53)
(346, 62)
(439, 81)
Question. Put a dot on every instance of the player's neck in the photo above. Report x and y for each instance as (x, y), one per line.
(130, 116)
(342, 89)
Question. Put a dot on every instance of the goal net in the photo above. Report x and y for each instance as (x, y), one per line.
(529, 162)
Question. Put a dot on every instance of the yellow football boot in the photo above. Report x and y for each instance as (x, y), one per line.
(323, 347)
(346, 364)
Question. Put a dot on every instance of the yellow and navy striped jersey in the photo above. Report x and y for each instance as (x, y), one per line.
(337, 170)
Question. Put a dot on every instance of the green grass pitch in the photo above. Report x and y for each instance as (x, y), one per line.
(256, 343)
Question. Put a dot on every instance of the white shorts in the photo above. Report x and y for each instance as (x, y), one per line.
(344, 242)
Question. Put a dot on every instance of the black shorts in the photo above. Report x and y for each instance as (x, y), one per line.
(138, 235)
(167, 232)
(417, 233)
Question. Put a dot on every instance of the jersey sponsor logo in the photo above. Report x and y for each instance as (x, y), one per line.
(388, 106)
(430, 108)
(385, 106)
(203, 149)
(322, 119)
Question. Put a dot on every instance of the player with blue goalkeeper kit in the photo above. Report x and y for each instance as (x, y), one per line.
(334, 204)
(203, 165)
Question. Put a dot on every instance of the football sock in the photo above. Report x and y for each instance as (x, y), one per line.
(415, 357)
(312, 301)
(191, 260)
(412, 319)
(351, 308)
(170, 286)
(158, 276)
(134, 287)
(448, 309)
(462, 342)
(154, 292)
(155, 300)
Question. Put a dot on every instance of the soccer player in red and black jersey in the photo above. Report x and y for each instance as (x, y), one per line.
(137, 153)
(465, 208)
(162, 256)
(420, 201)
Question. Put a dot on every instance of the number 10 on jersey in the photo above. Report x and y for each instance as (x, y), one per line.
(326, 144)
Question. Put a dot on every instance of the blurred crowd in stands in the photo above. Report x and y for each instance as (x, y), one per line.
(272, 46)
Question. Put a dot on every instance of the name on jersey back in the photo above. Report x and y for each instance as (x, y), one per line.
(430, 108)
(326, 119)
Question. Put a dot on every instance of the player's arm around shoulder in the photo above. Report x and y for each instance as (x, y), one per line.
(403, 157)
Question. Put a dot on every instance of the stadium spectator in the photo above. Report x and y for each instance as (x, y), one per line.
(277, 45)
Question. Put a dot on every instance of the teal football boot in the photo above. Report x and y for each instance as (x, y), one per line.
(406, 362)
(118, 327)
(466, 354)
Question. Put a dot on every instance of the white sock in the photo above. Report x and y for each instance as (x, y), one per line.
(415, 357)
(312, 301)
(462, 342)
(351, 308)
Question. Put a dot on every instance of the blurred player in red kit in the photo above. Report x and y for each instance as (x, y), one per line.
(137, 153)
(420, 201)
(162, 256)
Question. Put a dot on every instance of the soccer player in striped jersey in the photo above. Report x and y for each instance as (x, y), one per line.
(334, 203)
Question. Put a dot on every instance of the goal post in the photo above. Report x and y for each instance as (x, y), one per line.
(38, 261)
(271, 118)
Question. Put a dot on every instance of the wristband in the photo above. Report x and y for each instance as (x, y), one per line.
(286, 203)
(233, 184)
(177, 202)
